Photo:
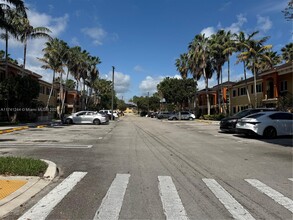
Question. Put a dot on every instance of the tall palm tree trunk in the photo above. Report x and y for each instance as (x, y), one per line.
(254, 82)
(6, 54)
(229, 82)
(64, 93)
(52, 87)
(207, 92)
(24, 56)
(246, 85)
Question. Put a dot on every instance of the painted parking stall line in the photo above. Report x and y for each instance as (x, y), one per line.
(234, 207)
(67, 146)
(112, 202)
(172, 205)
(275, 195)
(43, 208)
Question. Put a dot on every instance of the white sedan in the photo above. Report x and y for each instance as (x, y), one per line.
(84, 117)
(266, 124)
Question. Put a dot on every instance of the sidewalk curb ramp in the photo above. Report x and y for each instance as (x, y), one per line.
(32, 186)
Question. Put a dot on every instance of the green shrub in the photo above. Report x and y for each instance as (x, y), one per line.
(18, 166)
(214, 117)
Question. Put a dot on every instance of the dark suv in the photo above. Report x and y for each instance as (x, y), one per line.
(228, 124)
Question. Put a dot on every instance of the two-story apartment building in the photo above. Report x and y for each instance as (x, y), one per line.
(271, 86)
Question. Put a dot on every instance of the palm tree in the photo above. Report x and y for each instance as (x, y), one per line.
(241, 41)
(51, 60)
(4, 6)
(199, 61)
(27, 31)
(182, 65)
(255, 57)
(218, 59)
(230, 47)
(10, 15)
(287, 52)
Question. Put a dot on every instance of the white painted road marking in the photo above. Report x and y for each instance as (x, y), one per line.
(172, 204)
(42, 209)
(291, 179)
(275, 195)
(112, 202)
(235, 208)
(72, 146)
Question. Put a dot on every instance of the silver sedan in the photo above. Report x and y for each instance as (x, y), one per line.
(85, 117)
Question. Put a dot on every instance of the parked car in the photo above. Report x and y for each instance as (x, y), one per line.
(162, 115)
(109, 113)
(266, 124)
(84, 117)
(184, 116)
(228, 124)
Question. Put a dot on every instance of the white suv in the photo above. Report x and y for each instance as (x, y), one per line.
(109, 113)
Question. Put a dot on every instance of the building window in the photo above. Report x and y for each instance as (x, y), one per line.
(242, 91)
(47, 91)
(252, 89)
(234, 93)
(283, 86)
(259, 88)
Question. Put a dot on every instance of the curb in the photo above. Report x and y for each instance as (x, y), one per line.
(10, 130)
(26, 192)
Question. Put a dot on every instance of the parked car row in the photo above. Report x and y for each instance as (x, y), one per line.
(85, 117)
(183, 115)
(265, 122)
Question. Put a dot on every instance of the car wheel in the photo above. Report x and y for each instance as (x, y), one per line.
(68, 121)
(190, 119)
(97, 122)
(270, 132)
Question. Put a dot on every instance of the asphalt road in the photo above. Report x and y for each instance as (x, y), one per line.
(144, 168)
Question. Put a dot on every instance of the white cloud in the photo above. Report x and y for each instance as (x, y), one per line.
(138, 68)
(237, 26)
(233, 28)
(149, 85)
(264, 23)
(96, 33)
(208, 31)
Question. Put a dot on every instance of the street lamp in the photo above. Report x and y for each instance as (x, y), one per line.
(112, 104)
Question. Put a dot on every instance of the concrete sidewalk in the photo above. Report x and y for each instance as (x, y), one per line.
(16, 190)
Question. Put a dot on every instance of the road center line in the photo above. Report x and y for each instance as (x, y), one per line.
(112, 202)
(275, 195)
(234, 207)
(171, 201)
(43, 208)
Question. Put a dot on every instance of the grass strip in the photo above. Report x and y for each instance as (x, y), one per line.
(18, 166)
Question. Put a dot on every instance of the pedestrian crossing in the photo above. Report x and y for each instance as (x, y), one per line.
(172, 205)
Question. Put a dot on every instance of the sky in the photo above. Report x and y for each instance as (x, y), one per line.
(143, 38)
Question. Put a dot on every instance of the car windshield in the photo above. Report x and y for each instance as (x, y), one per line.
(255, 115)
(242, 113)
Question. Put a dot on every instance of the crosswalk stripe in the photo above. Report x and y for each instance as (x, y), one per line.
(112, 202)
(275, 195)
(42, 209)
(235, 208)
(172, 204)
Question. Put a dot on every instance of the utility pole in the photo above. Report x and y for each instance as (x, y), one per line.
(112, 104)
